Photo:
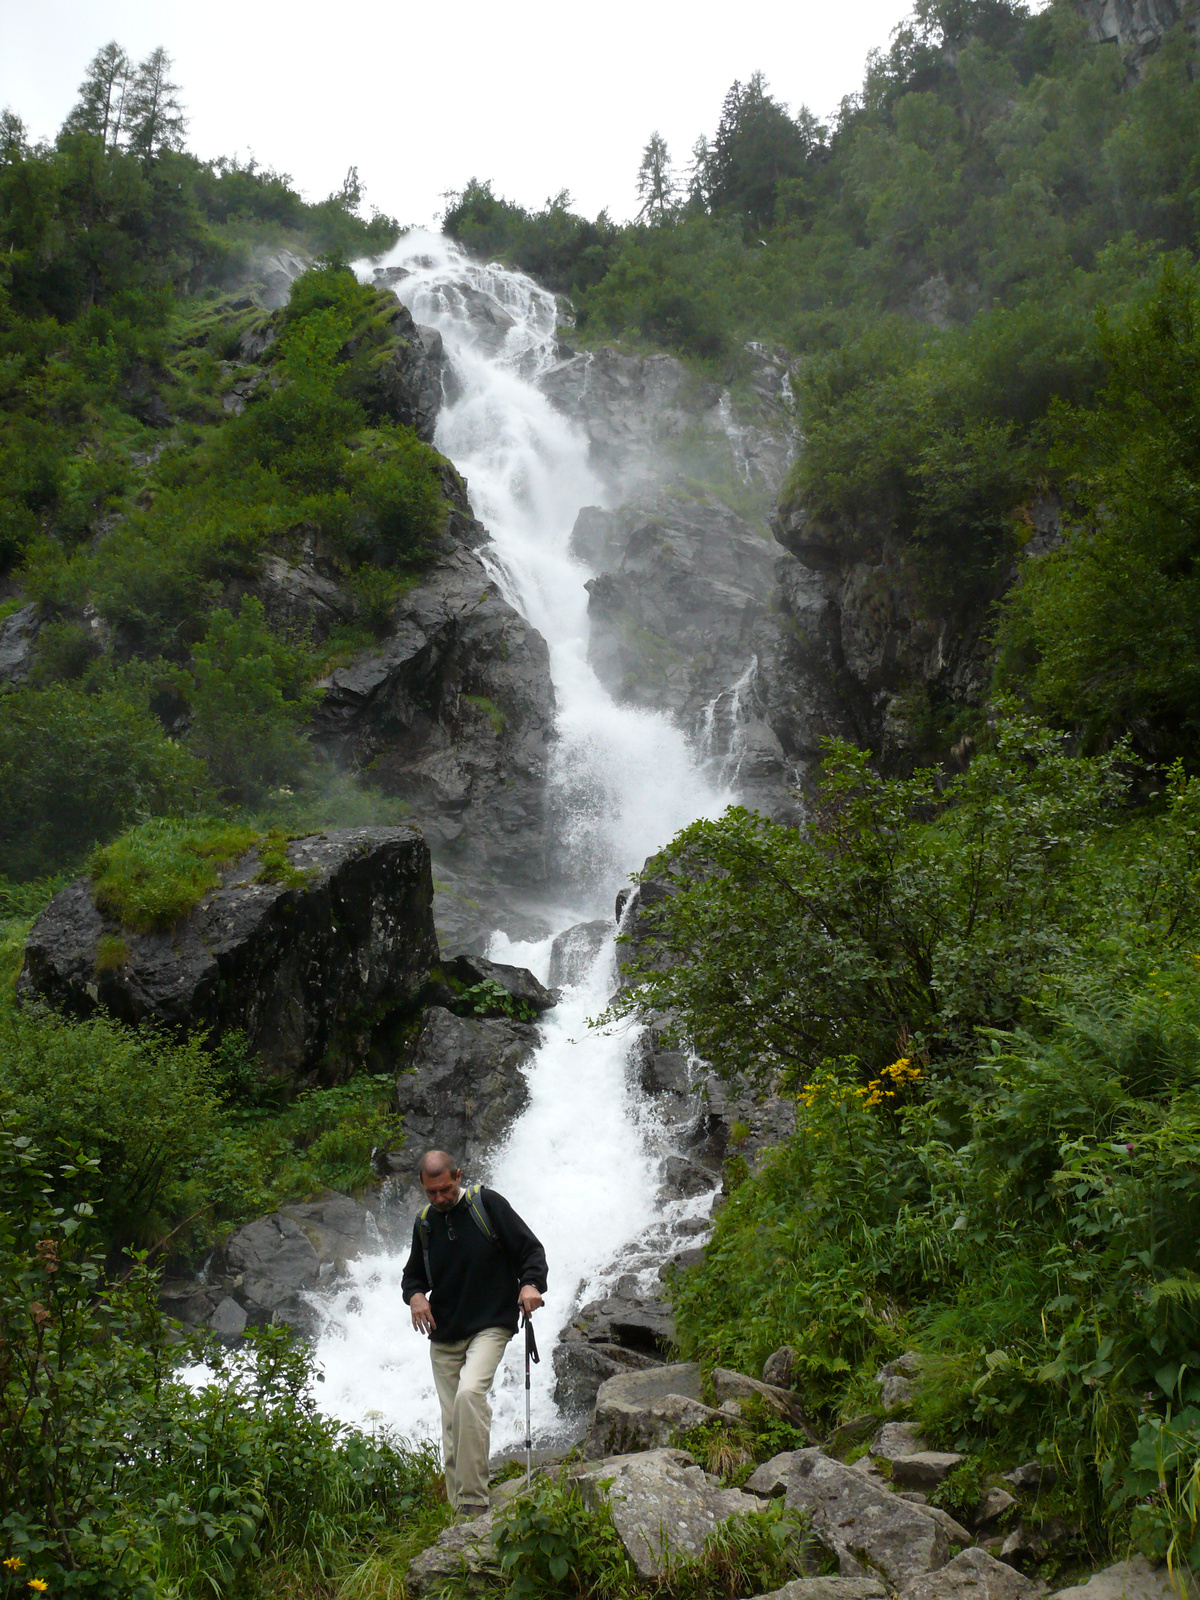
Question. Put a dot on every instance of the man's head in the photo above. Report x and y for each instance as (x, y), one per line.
(440, 1179)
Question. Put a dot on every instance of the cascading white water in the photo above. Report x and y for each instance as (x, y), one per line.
(581, 1164)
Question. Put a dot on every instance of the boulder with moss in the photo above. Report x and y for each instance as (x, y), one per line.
(301, 945)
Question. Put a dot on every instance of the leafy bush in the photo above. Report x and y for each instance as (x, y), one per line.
(141, 1103)
(118, 1480)
(77, 767)
(153, 876)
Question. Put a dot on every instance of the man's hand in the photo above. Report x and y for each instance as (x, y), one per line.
(422, 1316)
(529, 1299)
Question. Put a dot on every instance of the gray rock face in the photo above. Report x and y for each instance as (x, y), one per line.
(574, 951)
(408, 380)
(18, 634)
(519, 982)
(974, 1575)
(301, 598)
(303, 972)
(869, 1529)
(626, 1331)
(452, 714)
(263, 1272)
(1136, 27)
(663, 1505)
(466, 1086)
(771, 1479)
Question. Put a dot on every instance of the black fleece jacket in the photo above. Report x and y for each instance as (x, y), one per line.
(475, 1281)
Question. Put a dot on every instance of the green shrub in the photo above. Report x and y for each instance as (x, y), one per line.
(141, 1103)
(153, 876)
(77, 767)
(116, 1479)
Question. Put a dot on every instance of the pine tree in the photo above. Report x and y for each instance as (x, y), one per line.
(656, 181)
(100, 109)
(154, 117)
(757, 147)
(12, 135)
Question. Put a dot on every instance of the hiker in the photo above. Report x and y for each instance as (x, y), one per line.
(474, 1269)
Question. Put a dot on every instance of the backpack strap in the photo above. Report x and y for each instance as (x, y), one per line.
(473, 1195)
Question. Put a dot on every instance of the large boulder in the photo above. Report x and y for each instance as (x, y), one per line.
(867, 1527)
(1134, 1579)
(975, 1575)
(642, 1410)
(466, 1083)
(265, 1272)
(303, 972)
(462, 1551)
(663, 1505)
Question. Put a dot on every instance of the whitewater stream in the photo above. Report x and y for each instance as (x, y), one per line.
(582, 1163)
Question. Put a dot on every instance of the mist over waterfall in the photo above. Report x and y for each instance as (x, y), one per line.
(582, 1163)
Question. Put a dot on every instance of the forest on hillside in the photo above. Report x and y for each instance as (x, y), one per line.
(979, 980)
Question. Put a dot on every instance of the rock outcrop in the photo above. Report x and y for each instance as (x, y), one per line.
(1135, 27)
(304, 972)
(465, 1084)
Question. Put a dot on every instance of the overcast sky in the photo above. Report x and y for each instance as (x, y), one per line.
(536, 96)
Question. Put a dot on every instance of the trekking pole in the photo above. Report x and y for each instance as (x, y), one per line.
(531, 1354)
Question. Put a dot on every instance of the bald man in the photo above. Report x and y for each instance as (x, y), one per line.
(467, 1291)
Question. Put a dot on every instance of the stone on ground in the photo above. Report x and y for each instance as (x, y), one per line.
(925, 1469)
(974, 1575)
(771, 1479)
(829, 1589)
(464, 1545)
(640, 1410)
(896, 1439)
(867, 1527)
(663, 1505)
(784, 1403)
(1134, 1579)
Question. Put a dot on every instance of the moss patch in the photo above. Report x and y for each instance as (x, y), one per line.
(151, 877)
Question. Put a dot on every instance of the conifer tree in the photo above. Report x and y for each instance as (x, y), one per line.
(12, 135)
(154, 116)
(100, 109)
(656, 181)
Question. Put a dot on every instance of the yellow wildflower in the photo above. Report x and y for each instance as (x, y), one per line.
(39, 1584)
(13, 1563)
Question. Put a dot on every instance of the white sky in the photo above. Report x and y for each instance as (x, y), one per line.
(536, 96)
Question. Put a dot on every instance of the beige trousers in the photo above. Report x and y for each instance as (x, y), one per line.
(463, 1371)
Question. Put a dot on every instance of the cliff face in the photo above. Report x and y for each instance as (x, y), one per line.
(1135, 27)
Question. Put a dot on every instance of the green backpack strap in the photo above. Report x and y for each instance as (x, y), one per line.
(474, 1198)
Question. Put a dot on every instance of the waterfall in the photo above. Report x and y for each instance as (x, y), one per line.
(581, 1164)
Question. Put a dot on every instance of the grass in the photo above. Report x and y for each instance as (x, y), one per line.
(154, 875)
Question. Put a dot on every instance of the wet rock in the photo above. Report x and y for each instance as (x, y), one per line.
(519, 982)
(407, 381)
(229, 1320)
(683, 1178)
(466, 1084)
(300, 599)
(464, 1549)
(452, 714)
(974, 1575)
(1134, 1579)
(18, 635)
(866, 1526)
(663, 1505)
(581, 1368)
(303, 972)
(574, 952)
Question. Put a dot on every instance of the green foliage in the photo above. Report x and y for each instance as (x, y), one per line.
(1103, 630)
(77, 767)
(553, 1542)
(491, 999)
(140, 1103)
(118, 1480)
(878, 933)
(250, 701)
(151, 877)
